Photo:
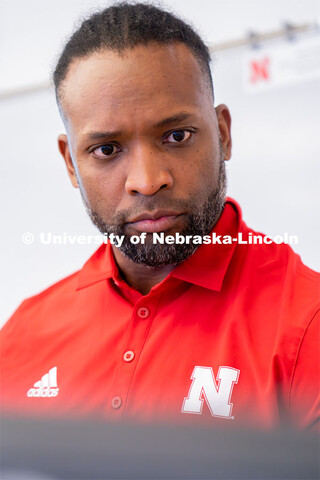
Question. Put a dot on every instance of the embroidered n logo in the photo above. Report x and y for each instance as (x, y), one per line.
(216, 393)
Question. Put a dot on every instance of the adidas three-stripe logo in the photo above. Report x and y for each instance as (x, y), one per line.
(47, 386)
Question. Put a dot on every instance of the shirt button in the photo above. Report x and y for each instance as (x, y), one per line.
(128, 356)
(143, 312)
(116, 402)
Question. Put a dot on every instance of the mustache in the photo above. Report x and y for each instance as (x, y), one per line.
(150, 205)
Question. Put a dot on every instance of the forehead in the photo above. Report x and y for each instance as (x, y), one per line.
(145, 82)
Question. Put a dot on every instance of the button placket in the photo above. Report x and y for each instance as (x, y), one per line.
(141, 319)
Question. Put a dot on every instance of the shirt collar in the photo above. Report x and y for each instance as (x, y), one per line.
(206, 267)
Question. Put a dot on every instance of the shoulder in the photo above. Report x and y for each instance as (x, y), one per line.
(287, 292)
(271, 257)
(277, 267)
(57, 305)
(276, 289)
(30, 312)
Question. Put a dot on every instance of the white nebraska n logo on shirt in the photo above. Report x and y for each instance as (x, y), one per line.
(217, 394)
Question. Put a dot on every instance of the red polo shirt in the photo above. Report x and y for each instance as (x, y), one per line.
(228, 338)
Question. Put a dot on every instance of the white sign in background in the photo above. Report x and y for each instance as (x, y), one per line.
(296, 61)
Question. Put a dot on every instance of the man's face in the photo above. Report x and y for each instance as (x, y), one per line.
(146, 146)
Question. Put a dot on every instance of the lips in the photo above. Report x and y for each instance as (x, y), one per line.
(158, 221)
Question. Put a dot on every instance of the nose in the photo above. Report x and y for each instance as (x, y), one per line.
(147, 173)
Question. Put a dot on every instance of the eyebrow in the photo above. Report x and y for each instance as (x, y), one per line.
(180, 117)
(97, 136)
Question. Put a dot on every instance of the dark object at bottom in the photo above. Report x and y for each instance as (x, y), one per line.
(62, 449)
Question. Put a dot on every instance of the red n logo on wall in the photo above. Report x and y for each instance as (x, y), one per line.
(260, 70)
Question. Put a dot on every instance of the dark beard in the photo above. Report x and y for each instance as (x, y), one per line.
(199, 222)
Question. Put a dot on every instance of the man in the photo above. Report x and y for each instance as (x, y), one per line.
(182, 317)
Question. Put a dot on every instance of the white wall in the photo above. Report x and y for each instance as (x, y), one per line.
(274, 171)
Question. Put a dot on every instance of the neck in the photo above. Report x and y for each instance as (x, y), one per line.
(140, 277)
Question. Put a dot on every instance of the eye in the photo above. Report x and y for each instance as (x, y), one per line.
(105, 151)
(178, 136)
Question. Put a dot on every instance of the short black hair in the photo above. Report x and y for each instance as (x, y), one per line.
(125, 25)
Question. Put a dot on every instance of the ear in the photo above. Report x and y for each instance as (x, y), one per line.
(65, 152)
(224, 122)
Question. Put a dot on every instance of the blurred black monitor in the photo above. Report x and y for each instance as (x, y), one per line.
(35, 449)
